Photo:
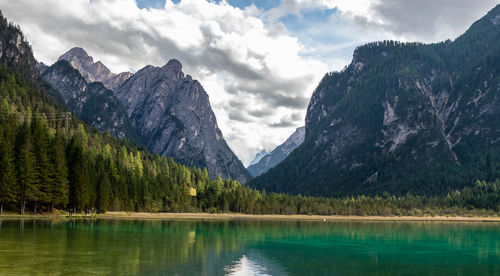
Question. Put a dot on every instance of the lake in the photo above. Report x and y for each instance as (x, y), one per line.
(247, 247)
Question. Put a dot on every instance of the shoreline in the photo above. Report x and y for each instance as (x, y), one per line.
(239, 216)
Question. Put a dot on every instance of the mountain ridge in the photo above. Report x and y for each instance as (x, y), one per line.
(93, 71)
(258, 157)
(169, 111)
(402, 117)
(163, 102)
(91, 102)
(273, 158)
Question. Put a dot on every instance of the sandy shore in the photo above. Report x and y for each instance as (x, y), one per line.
(235, 216)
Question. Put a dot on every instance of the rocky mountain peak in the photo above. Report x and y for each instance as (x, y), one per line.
(91, 102)
(262, 164)
(169, 111)
(174, 65)
(258, 157)
(78, 56)
(15, 51)
(173, 114)
(93, 71)
(402, 117)
(173, 69)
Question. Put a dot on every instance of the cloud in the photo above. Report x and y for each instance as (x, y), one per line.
(297, 7)
(233, 52)
(284, 123)
(258, 64)
(424, 20)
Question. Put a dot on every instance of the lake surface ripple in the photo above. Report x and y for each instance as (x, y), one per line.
(247, 247)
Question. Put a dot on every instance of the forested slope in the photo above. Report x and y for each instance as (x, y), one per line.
(49, 159)
(402, 117)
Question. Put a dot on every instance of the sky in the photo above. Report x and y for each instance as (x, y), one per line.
(258, 60)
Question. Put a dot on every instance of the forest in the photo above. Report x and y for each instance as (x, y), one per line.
(346, 127)
(51, 160)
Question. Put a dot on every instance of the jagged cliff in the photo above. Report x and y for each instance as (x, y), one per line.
(273, 158)
(258, 157)
(91, 102)
(402, 117)
(159, 107)
(15, 51)
(93, 71)
(173, 114)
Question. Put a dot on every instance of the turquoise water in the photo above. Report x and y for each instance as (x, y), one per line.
(151, 247)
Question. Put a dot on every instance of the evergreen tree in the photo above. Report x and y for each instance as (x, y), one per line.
(43, 164)
(25, 167)
(103, 185)
(8, 185)
(59, 192)
(78, 176)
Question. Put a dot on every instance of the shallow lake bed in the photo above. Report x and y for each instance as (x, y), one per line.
(247, 247)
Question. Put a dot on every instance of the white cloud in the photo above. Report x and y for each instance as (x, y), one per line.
(258, 83)
(258, 73)
(423, 20)
(296, 7)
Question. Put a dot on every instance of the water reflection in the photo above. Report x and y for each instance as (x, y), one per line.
(245, 267)
(149, 247)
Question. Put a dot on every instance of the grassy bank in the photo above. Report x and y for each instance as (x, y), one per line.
(238, 216)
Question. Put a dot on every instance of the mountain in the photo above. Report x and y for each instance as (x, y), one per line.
(93, 71)
(258, 156)
(15, 51)
(91, 102)
(159, 107)
(173, 114)
(273, 158)
(402, 117)
(46, 164)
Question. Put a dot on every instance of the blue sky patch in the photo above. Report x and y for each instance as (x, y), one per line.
(262, 4)
(148, 4)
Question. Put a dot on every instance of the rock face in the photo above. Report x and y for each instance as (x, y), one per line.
(93, 71)
(15, 51)
(160, 108)
(117, 80)
(173, 114)
(270, 160)
(258, 157)
(91, 102)
(402, 117)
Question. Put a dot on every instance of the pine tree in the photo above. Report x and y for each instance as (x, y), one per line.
(43, 165)
(138, 163)
(103, 185)
(78, 176)
(25, 167)
(8, 185)
(59, 176)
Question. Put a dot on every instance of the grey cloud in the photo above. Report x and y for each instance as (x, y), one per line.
(135, 44)
(239, 110)
(298, 102)
(297, 116)
(292, 120)
(275, 91)
(138, 47)
(239, 115)
(283, 123)
(427, 20)
(262, 112)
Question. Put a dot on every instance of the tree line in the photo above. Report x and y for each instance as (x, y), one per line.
(47, 163)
